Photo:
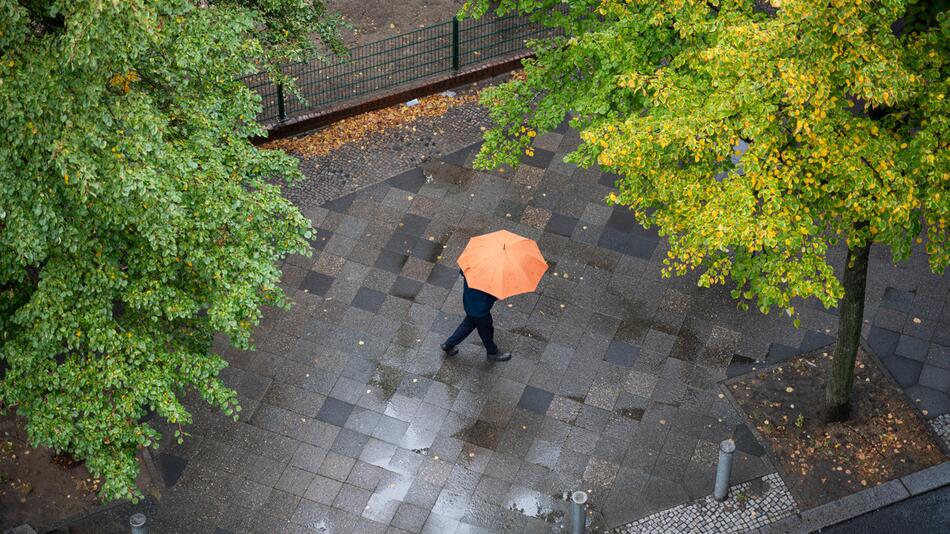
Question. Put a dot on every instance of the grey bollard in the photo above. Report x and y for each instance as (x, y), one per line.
(724, 470)
(578, 512)
(137, 522)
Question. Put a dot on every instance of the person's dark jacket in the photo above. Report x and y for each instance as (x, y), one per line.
(477, 303)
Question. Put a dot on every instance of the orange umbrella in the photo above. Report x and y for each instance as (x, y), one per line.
(502, 264)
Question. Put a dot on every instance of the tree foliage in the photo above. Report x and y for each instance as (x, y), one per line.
(842, 105)
(135, 216)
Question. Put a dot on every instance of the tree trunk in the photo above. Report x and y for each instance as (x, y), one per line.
(850, 317)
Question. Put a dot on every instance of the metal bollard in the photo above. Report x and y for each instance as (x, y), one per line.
(137, 522)
(724, 469)
(578, 512)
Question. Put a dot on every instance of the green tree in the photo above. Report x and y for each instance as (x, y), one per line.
(135, 216)
(843, 106)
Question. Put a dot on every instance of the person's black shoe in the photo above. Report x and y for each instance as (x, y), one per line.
(499, 357)
(449, 351)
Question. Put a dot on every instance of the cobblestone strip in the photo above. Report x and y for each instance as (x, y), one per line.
(941, 426)
(750, 505)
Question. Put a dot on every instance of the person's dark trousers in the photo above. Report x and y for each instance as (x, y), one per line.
(486, 331)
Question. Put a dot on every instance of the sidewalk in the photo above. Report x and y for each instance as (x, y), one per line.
(354, 422)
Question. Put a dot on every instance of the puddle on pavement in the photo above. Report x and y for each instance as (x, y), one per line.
(534, 504)
(384, 381)
(408, 335)
(451, 373)
(687, 346)
(633, 328)
(556, 514)
(438, 171)
(482, 434)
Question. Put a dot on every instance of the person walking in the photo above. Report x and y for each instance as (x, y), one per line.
(477, 306)
(493, 266)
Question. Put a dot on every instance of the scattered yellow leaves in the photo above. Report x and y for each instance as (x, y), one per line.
(325, 140)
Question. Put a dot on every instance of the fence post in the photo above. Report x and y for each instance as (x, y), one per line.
(281, 112)
(455, 43)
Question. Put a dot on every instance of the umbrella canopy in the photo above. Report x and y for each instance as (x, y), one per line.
(502, 264)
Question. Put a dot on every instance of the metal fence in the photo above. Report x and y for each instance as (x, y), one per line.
(393, 62)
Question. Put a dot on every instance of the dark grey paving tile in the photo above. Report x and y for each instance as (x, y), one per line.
(369, 299)
(779, 352)
(622, 220)
(621, 353)
(509, 210)
(629, 244)
(913, 348)
(541, 158)
(815, 340)
(905, 371)
(459, 157)
(335, 411)
(405, 288)
(535, 400)
(898, 299)
(171, 467)
(411, 180)
(936, 378)
(316, 283)
(443, 276)
(882, 341)
(939, 355)
(320, 238)
(428, 250)
(746, 442)
(414, 224)
(561, 225)
(930, 402)
(401, 243)
(740, 365)
(608, 179)
(390, 261)
(342, 204)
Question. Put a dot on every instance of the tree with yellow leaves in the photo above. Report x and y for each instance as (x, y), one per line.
(841, 105)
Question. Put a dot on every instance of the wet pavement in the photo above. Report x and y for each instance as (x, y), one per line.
(354, 421)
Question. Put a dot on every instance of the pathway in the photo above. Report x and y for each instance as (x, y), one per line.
(354, 422)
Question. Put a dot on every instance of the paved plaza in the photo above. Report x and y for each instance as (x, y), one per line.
(354, 421)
